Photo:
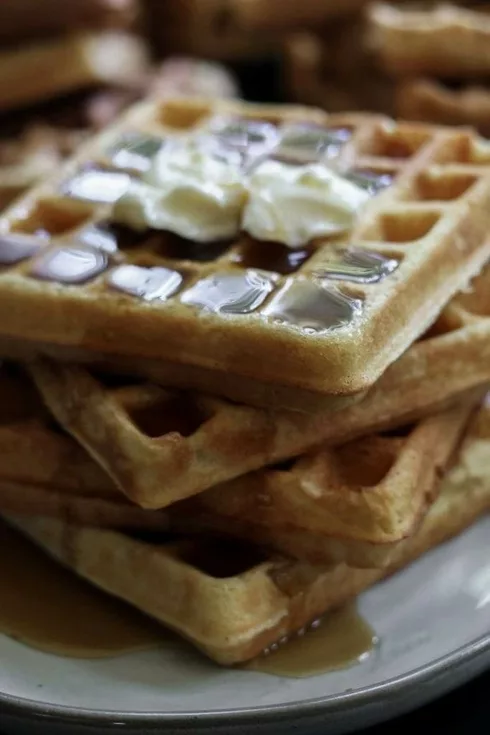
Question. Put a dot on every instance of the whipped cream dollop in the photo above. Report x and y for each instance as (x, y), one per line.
(294, 204)
(191, 191)
(186, 191)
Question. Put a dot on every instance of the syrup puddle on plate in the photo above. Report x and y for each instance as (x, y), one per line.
(47, 607)
(339, 640)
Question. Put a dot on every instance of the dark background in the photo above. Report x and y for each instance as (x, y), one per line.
(466, 710)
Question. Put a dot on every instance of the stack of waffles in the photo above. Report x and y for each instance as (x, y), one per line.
(439, 58)
(232, 432)
(427, 62)
(60, 48)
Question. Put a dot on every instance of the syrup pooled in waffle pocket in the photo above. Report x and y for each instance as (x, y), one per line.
(398, 214)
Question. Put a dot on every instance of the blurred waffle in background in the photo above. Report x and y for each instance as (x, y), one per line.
(428, 62)
(72, 67)
(240, 525)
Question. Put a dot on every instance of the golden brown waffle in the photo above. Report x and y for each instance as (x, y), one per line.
(330, 327)
(41, 71)
(233, 603)
(65, 504)
(44, 472)
(440, 39)
(20, 19)
(352, 503)
(140, 432)
(431, 101)
(34, 154)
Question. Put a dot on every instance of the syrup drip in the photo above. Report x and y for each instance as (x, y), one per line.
(306, 143)
(100, 238)
(247, 138)
(97, 185)
(359, 266)
(150, 284)
(230, 293)
(70, 265)
(371, 181)
(14, 248)
(271, 256)
(340, 639)
(312, 307)
(135, 151)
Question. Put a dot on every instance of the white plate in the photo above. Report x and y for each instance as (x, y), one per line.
(433, 621)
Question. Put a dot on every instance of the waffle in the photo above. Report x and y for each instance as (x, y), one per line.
(26, 159)
(44, 472)
(21, 19)
(140, 432)
(416, 243)
(43, 70)
(428, 100)
(353, 503)
(316, 507)
(233, 603)
(443, 39)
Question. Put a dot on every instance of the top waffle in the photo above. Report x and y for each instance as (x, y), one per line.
(325, 319)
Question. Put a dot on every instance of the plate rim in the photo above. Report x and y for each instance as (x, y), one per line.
(20, 707)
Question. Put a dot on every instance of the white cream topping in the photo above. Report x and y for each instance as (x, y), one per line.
(200, 197)
(187, 192)
(294, 204)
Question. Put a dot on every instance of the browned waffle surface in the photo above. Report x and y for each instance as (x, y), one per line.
(430, 100)
(328, 319)
(45, 69)
(140, 432)
(31, 156)
(440, 38)
(232, 602)
(354, 503)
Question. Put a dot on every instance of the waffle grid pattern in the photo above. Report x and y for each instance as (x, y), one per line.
(337, 315)
(138, 434)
